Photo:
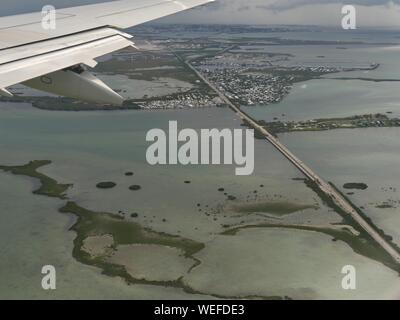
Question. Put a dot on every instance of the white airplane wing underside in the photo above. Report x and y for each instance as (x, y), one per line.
(21, 63)
(29, 51)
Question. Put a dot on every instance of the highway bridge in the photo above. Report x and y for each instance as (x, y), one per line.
(324, 186)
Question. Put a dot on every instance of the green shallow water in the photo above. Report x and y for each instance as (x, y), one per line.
(89, 147)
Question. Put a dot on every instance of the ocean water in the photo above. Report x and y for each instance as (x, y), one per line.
(340, 156)
(362, 155)
(316, 99)
(89, 147)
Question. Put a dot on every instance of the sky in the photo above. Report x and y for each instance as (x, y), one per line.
(380, 13)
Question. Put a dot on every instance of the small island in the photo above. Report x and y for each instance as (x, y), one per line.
(106, 185)
(359, 121)
(355, 185)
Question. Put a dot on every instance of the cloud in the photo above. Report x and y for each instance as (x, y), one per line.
(370, 13)
(281, 5)
(267, 12)
(291, 4)
(9, 7)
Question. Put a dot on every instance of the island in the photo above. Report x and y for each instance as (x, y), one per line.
(358, 121)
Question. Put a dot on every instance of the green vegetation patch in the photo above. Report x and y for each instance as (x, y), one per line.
(277, 208)
(355, 185)
(48, 186)
(106, 185)
(148, 67)
(68, 104)
(358, 121)
(92, 223)
(135, 188)
(384, 205)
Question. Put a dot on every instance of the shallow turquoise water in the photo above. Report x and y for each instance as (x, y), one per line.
(88, 147)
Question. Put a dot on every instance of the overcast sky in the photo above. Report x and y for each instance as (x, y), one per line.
(305, 12)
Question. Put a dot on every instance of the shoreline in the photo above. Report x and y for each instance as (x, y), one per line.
(90, 223)
(94, 224)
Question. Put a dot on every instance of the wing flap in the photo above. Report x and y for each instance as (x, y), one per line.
(35, 49)
(32, 67)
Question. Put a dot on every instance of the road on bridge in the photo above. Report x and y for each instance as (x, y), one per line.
(325, 187)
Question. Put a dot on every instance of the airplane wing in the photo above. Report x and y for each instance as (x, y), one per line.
(51, 59)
